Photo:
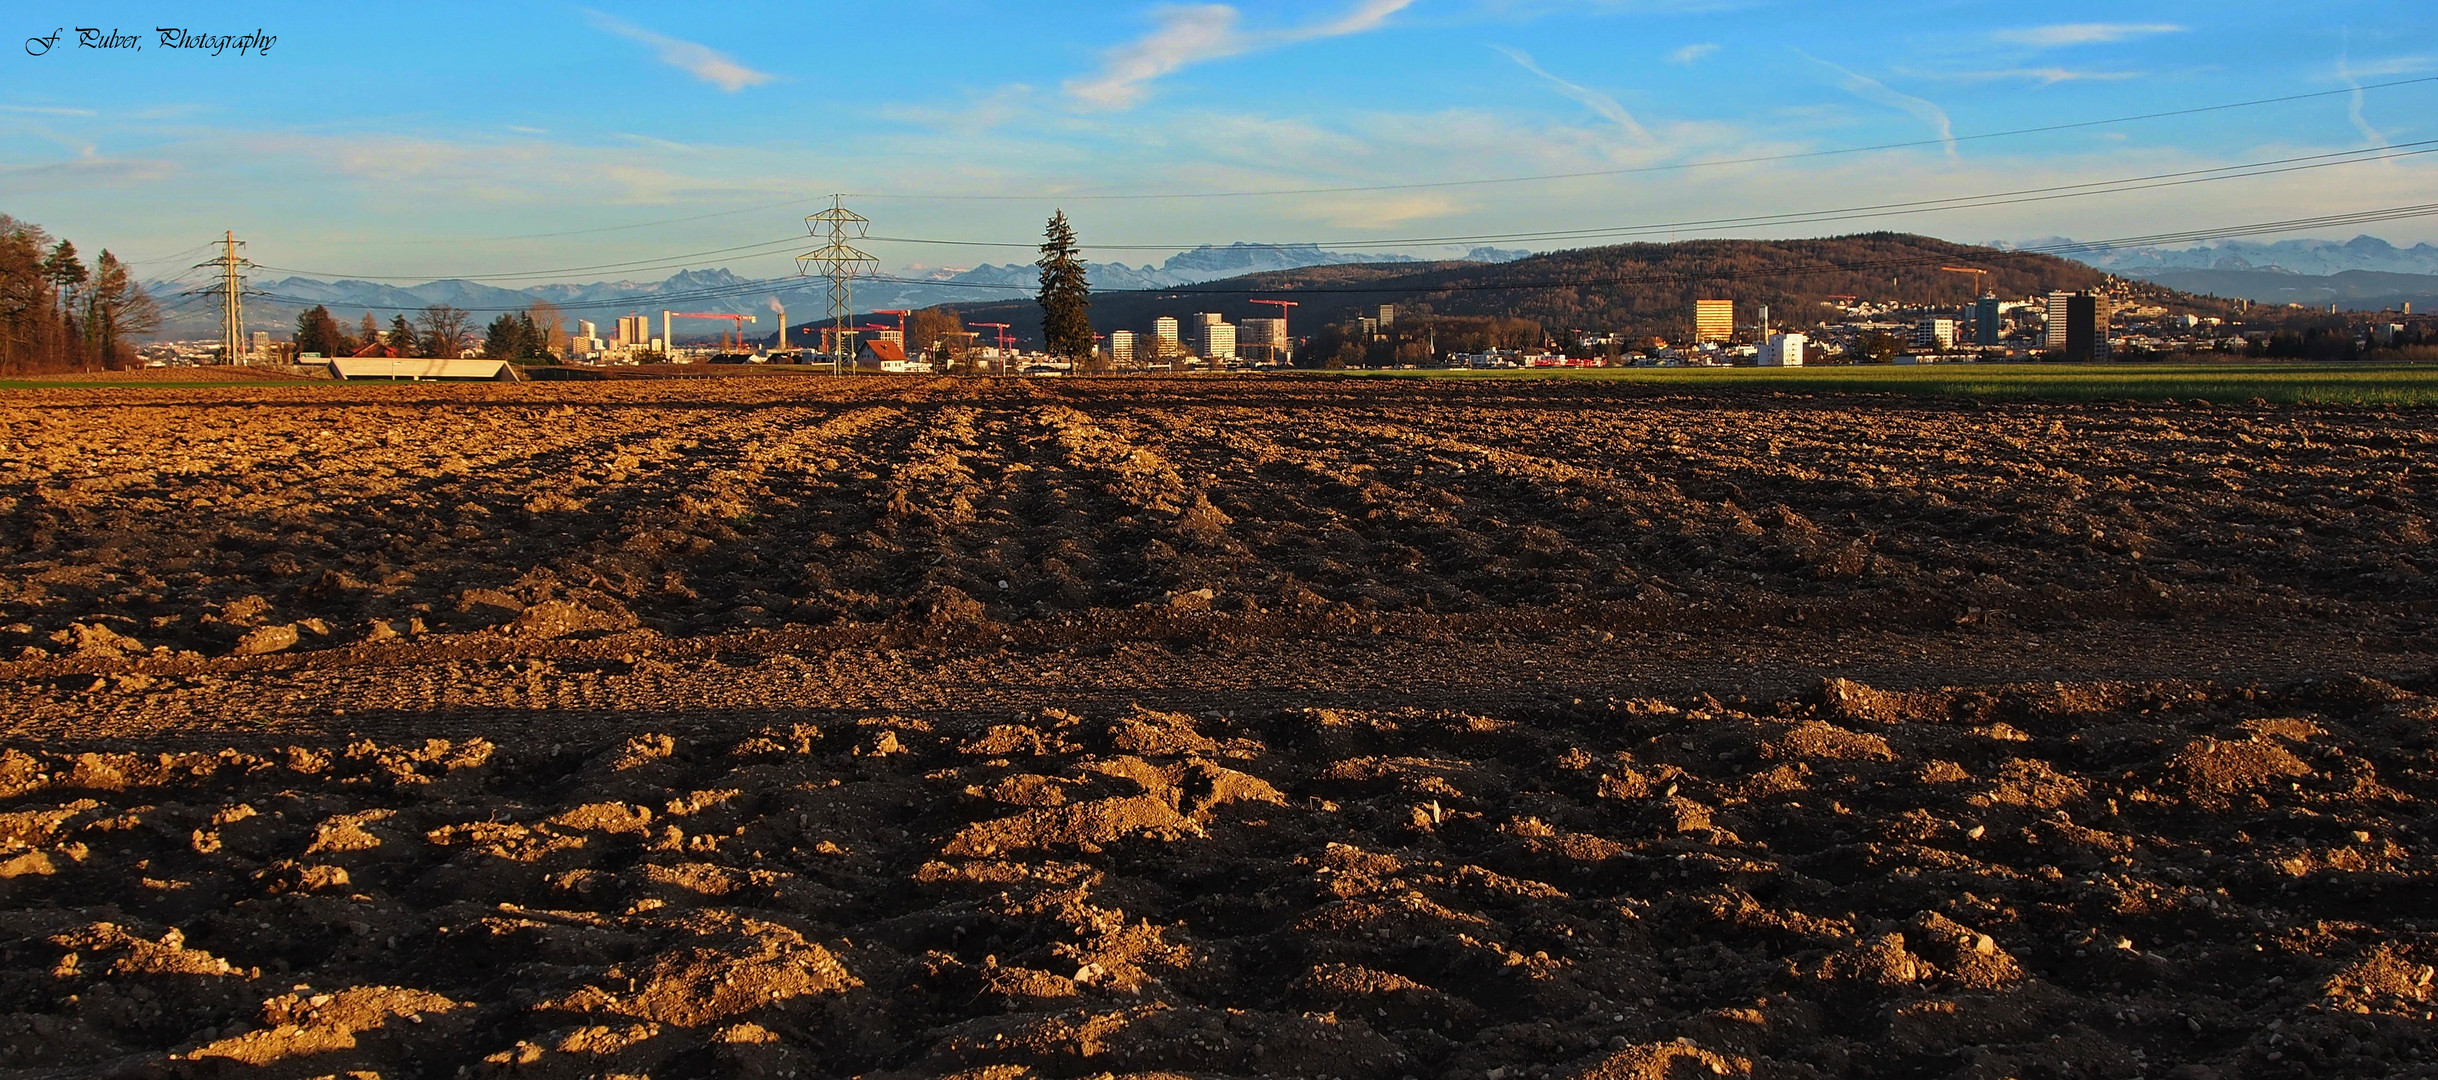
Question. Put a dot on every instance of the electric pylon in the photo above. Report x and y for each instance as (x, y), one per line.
(231, 290)
(840, 262)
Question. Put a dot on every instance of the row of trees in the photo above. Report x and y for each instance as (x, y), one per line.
(1416, 340)
(437, 331)
(57, 314)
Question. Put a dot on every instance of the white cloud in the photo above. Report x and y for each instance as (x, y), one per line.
(1198, 33)
(1691, 53)
(980, 112)
(2083, 33)
(86, 173)
(2400, 65)
(45, 110)
(1592, 99)
(701, 61)
(2045, 76)
(1872, 90)
(2354, 102)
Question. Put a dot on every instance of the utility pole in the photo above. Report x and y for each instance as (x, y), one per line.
(840, 262)
(231, 290)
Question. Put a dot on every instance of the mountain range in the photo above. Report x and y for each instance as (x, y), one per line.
(2364, 273)
(274, 305)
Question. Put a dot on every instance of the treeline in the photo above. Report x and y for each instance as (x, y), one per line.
(1647, 290)
(535, 334)
(58, 314)
(1642, 291)
(1418, 340)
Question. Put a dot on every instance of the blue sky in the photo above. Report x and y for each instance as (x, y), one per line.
(507, 138)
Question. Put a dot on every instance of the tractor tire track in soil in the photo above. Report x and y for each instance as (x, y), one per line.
(1215, 728)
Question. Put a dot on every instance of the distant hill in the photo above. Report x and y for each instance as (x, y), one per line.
(1638, 288)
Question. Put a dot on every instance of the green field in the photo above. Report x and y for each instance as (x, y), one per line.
(2315, 384)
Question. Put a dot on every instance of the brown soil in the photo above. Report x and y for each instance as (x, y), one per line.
(1216, 728)
(213, 374)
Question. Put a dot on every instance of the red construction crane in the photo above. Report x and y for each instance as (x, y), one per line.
(725, 345)
(1006, 341)
(901, 314)
(1289, 338)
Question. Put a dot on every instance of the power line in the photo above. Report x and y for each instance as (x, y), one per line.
(1680, 166)
(2270, 167)
(743, 288)
(1711, 163)
(1957, 202)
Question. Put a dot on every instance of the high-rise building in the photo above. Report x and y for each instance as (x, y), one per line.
(1783, 350)
(2086, 337)
(1934, 334)
(262, 343)
(1713, 320)
(1388, 316)
(1121, 345)
(1269, 334)
(1165, 329)
(1218, 341)
(2053, 333)
(586, 330)
(1988, 327)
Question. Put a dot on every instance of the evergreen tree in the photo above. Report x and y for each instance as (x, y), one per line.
(317, 332)
(532, 342)
(401, 338)
(65, 274)
(502, 340)
(1066, 296)
(117, 310)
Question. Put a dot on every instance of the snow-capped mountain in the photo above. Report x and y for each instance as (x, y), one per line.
(274, 305)
(2318, 257)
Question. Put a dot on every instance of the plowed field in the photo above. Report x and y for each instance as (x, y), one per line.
(909, 728)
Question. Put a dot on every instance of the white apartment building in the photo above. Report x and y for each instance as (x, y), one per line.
(1218, 340)
(1783, 350)
(2053, 335)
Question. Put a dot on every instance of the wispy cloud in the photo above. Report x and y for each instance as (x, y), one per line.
(1592, 99)
(2083, 33)
(2394, 65)
(1691, 53)
(1190, 34)
(1872, 90)
(701, 61)
(2354, 101)
(45, 110)
(84, 173)
(2045, 76)
(979, 113)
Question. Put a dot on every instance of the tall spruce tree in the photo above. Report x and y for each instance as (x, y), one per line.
(117, 311)
(1066, 296)
(401, 337)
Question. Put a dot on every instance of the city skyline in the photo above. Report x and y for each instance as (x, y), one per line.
(481, 141)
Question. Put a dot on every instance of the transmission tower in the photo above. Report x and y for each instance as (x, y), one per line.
(231, 291)
(841, 263)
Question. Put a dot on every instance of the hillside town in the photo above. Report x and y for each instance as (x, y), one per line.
(2067, 326)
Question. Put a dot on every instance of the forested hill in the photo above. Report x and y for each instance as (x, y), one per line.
(1638, 288)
